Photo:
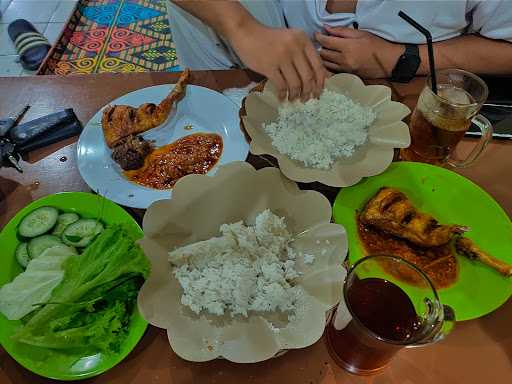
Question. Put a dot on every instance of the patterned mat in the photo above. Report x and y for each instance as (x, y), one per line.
(114, 36)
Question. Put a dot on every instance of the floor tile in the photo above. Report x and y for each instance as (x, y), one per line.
(3, 6)
(63, 11)
(9, 66)
(24, 72)
(33, 11)
(52, 31)
(6, 45)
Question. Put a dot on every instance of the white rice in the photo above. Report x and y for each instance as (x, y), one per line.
(246, 269)
(320, 131)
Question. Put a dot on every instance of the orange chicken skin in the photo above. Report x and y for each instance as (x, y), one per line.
(392, 212)
(119, 121)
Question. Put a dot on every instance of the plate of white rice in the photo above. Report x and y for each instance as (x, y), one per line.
(321, 130)
(348, 133)
(244, 265)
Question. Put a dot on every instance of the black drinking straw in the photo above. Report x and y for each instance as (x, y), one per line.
(428, 36)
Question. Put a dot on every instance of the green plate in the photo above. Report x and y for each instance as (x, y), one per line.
(46, 362)
(450, 198)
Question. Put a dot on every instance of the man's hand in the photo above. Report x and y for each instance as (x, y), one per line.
(359, 52)
(286, 57)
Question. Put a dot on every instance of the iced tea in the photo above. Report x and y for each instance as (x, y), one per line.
(384, 309)
(378, 315)
(440, 121)
(437, 129)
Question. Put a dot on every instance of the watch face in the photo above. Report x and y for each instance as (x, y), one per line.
(406, 68)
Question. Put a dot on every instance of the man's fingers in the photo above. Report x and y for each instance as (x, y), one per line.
(307, 76)
(293, 82)
(318, 69)
(332, 66)
(328, 73)
(277, 79)
(349, 33)
(332, 56)
(330, 42)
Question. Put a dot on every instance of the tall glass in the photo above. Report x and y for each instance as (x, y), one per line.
(440, 120)
(387, 304)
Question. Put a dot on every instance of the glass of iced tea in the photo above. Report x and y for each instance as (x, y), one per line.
(440, 120)
(381, 313)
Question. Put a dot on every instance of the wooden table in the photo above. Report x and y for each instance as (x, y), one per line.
(478, 351)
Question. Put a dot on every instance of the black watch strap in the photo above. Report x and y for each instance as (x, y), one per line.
(407, 64)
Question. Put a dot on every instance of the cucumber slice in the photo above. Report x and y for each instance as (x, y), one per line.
(38, 245)
(81, 232)
(63, 221)
(22, 254)
(38, 222)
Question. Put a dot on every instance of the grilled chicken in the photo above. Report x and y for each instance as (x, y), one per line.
(119, 121)
(392, 212)
(466, 247)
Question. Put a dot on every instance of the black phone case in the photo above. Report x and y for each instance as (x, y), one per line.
(500, 118)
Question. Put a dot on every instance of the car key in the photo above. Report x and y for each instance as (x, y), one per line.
(8, 155)
(9, 122)
(31, 130)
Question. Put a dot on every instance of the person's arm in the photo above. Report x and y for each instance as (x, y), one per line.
(473, 53)
(370, 56)
(224, 16)
(286, 57)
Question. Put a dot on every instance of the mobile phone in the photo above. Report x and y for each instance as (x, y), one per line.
(497, 108)
(501, 130)
(500, 118)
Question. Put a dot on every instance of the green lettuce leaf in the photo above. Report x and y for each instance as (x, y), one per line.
(92, 306)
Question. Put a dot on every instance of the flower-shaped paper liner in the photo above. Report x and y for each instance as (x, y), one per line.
(387, 132)
(200, 204)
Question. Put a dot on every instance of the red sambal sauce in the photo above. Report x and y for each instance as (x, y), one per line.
(438, 263)
(164, 166)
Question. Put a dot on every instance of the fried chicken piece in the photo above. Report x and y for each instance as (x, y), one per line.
(392, 212)
(466, 247)
(119, 121)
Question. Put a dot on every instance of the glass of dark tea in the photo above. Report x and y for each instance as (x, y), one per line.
(382, 312)
(440, 120)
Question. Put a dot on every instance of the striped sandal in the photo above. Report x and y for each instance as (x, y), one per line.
(31, 45)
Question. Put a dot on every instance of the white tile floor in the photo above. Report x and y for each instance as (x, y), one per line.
(48, 16)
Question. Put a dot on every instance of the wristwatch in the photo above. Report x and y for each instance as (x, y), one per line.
(407, 65)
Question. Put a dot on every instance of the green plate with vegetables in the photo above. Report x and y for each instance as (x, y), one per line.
(450, 198)
(70, 276)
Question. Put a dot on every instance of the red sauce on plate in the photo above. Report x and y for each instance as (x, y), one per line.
(164, 166)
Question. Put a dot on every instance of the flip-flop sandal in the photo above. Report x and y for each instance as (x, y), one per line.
(31, 45)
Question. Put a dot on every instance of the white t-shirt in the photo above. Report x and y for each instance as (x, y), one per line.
(199, 47)
(444, 19)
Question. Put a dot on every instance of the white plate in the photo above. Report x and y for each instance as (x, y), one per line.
(204, 109)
